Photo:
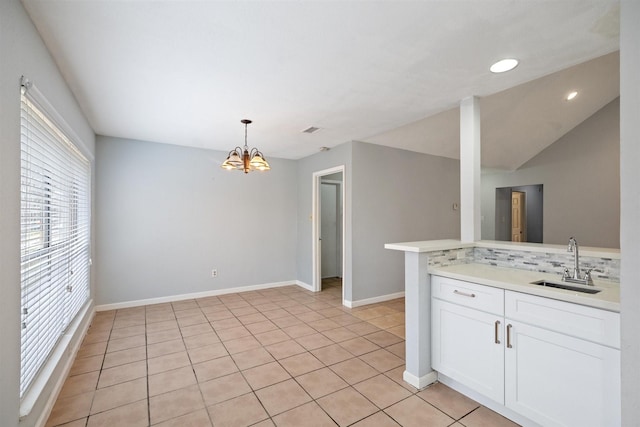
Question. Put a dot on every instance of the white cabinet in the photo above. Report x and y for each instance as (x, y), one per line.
(465, 349)
(466, 331)
(557, 379)
(553, 362)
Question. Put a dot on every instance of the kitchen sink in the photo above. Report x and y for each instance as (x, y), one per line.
(583, 289)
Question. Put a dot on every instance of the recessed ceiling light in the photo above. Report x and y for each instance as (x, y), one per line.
(572, 95)
(504, 65)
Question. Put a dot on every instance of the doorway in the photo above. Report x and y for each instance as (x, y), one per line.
(328, 220)
(519, 213)
(330, 229)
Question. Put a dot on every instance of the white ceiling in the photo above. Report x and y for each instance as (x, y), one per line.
(386, 72)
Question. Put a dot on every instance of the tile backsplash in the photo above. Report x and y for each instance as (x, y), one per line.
(602, 268)
(451, 257)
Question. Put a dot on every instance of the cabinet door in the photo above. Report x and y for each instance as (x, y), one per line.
(464, 347)
(558, 380)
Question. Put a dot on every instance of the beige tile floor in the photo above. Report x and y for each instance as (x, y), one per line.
(283, 356)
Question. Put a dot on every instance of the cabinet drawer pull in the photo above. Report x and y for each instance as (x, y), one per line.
(464, 294)
(497, 325)
(509, 326)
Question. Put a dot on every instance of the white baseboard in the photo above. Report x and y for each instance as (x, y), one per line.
(420, 382)
(304, 285)
(381, 298)
(215, 292)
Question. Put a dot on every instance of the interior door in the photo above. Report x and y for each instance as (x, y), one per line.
(329, 230)
(518, 211)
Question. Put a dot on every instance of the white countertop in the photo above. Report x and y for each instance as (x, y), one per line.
(441, 245)
(429, 245)
(520, 281)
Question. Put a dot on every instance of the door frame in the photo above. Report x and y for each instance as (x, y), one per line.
(316, 252)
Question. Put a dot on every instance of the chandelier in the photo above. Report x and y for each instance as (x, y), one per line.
(244, 160)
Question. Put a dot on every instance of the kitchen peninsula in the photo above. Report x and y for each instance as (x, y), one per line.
(447, 282)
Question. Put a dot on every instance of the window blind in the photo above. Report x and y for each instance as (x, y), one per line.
(55, 234)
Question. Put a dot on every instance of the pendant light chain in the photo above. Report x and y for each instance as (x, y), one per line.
(245, 135)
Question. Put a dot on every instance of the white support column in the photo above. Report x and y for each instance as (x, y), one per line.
(417, 299)
(470, 228)
(629, 208)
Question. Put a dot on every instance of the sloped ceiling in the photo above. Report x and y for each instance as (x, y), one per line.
(520, 122)
(391, 73)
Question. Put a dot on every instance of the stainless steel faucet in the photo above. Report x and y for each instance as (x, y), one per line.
(575, 277)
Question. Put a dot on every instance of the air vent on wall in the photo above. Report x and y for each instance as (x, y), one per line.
(311, 129)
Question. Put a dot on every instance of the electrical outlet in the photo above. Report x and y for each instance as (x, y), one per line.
(214, 272)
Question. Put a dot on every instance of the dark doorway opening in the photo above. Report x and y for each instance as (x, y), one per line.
(532, 211)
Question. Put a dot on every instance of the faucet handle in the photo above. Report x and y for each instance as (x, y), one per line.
(565, 274)
(587, 277)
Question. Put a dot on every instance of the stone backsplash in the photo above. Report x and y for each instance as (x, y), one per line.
(451, 257)
(554, 263)
(602, 268)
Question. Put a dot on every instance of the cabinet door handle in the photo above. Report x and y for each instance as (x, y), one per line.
(509, 326)
(497, 325)
(464, 294)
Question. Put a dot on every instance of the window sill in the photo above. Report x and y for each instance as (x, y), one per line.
(64, 352)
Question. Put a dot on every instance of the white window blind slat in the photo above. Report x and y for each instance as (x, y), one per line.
(55, 237)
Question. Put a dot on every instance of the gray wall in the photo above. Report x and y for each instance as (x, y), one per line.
(168, 215)
(22, 52)
(581, 177)
(630, 206)
(391, 196)
(397, 196)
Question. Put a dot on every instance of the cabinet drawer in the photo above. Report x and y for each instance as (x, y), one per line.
(472, 295)
(599, 326)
